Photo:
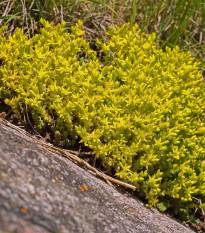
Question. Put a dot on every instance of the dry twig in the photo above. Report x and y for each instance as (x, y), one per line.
(71, 155)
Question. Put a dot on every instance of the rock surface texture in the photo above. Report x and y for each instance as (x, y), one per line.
(43, 192)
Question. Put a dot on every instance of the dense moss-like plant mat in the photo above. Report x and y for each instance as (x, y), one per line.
(141, 111)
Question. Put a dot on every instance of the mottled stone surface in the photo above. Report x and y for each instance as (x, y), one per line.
(43, 192)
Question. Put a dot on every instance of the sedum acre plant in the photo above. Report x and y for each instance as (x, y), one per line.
(141, 111)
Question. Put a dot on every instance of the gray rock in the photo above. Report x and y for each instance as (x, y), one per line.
(43, 192)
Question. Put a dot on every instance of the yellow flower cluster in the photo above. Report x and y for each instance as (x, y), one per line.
(141, 111)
